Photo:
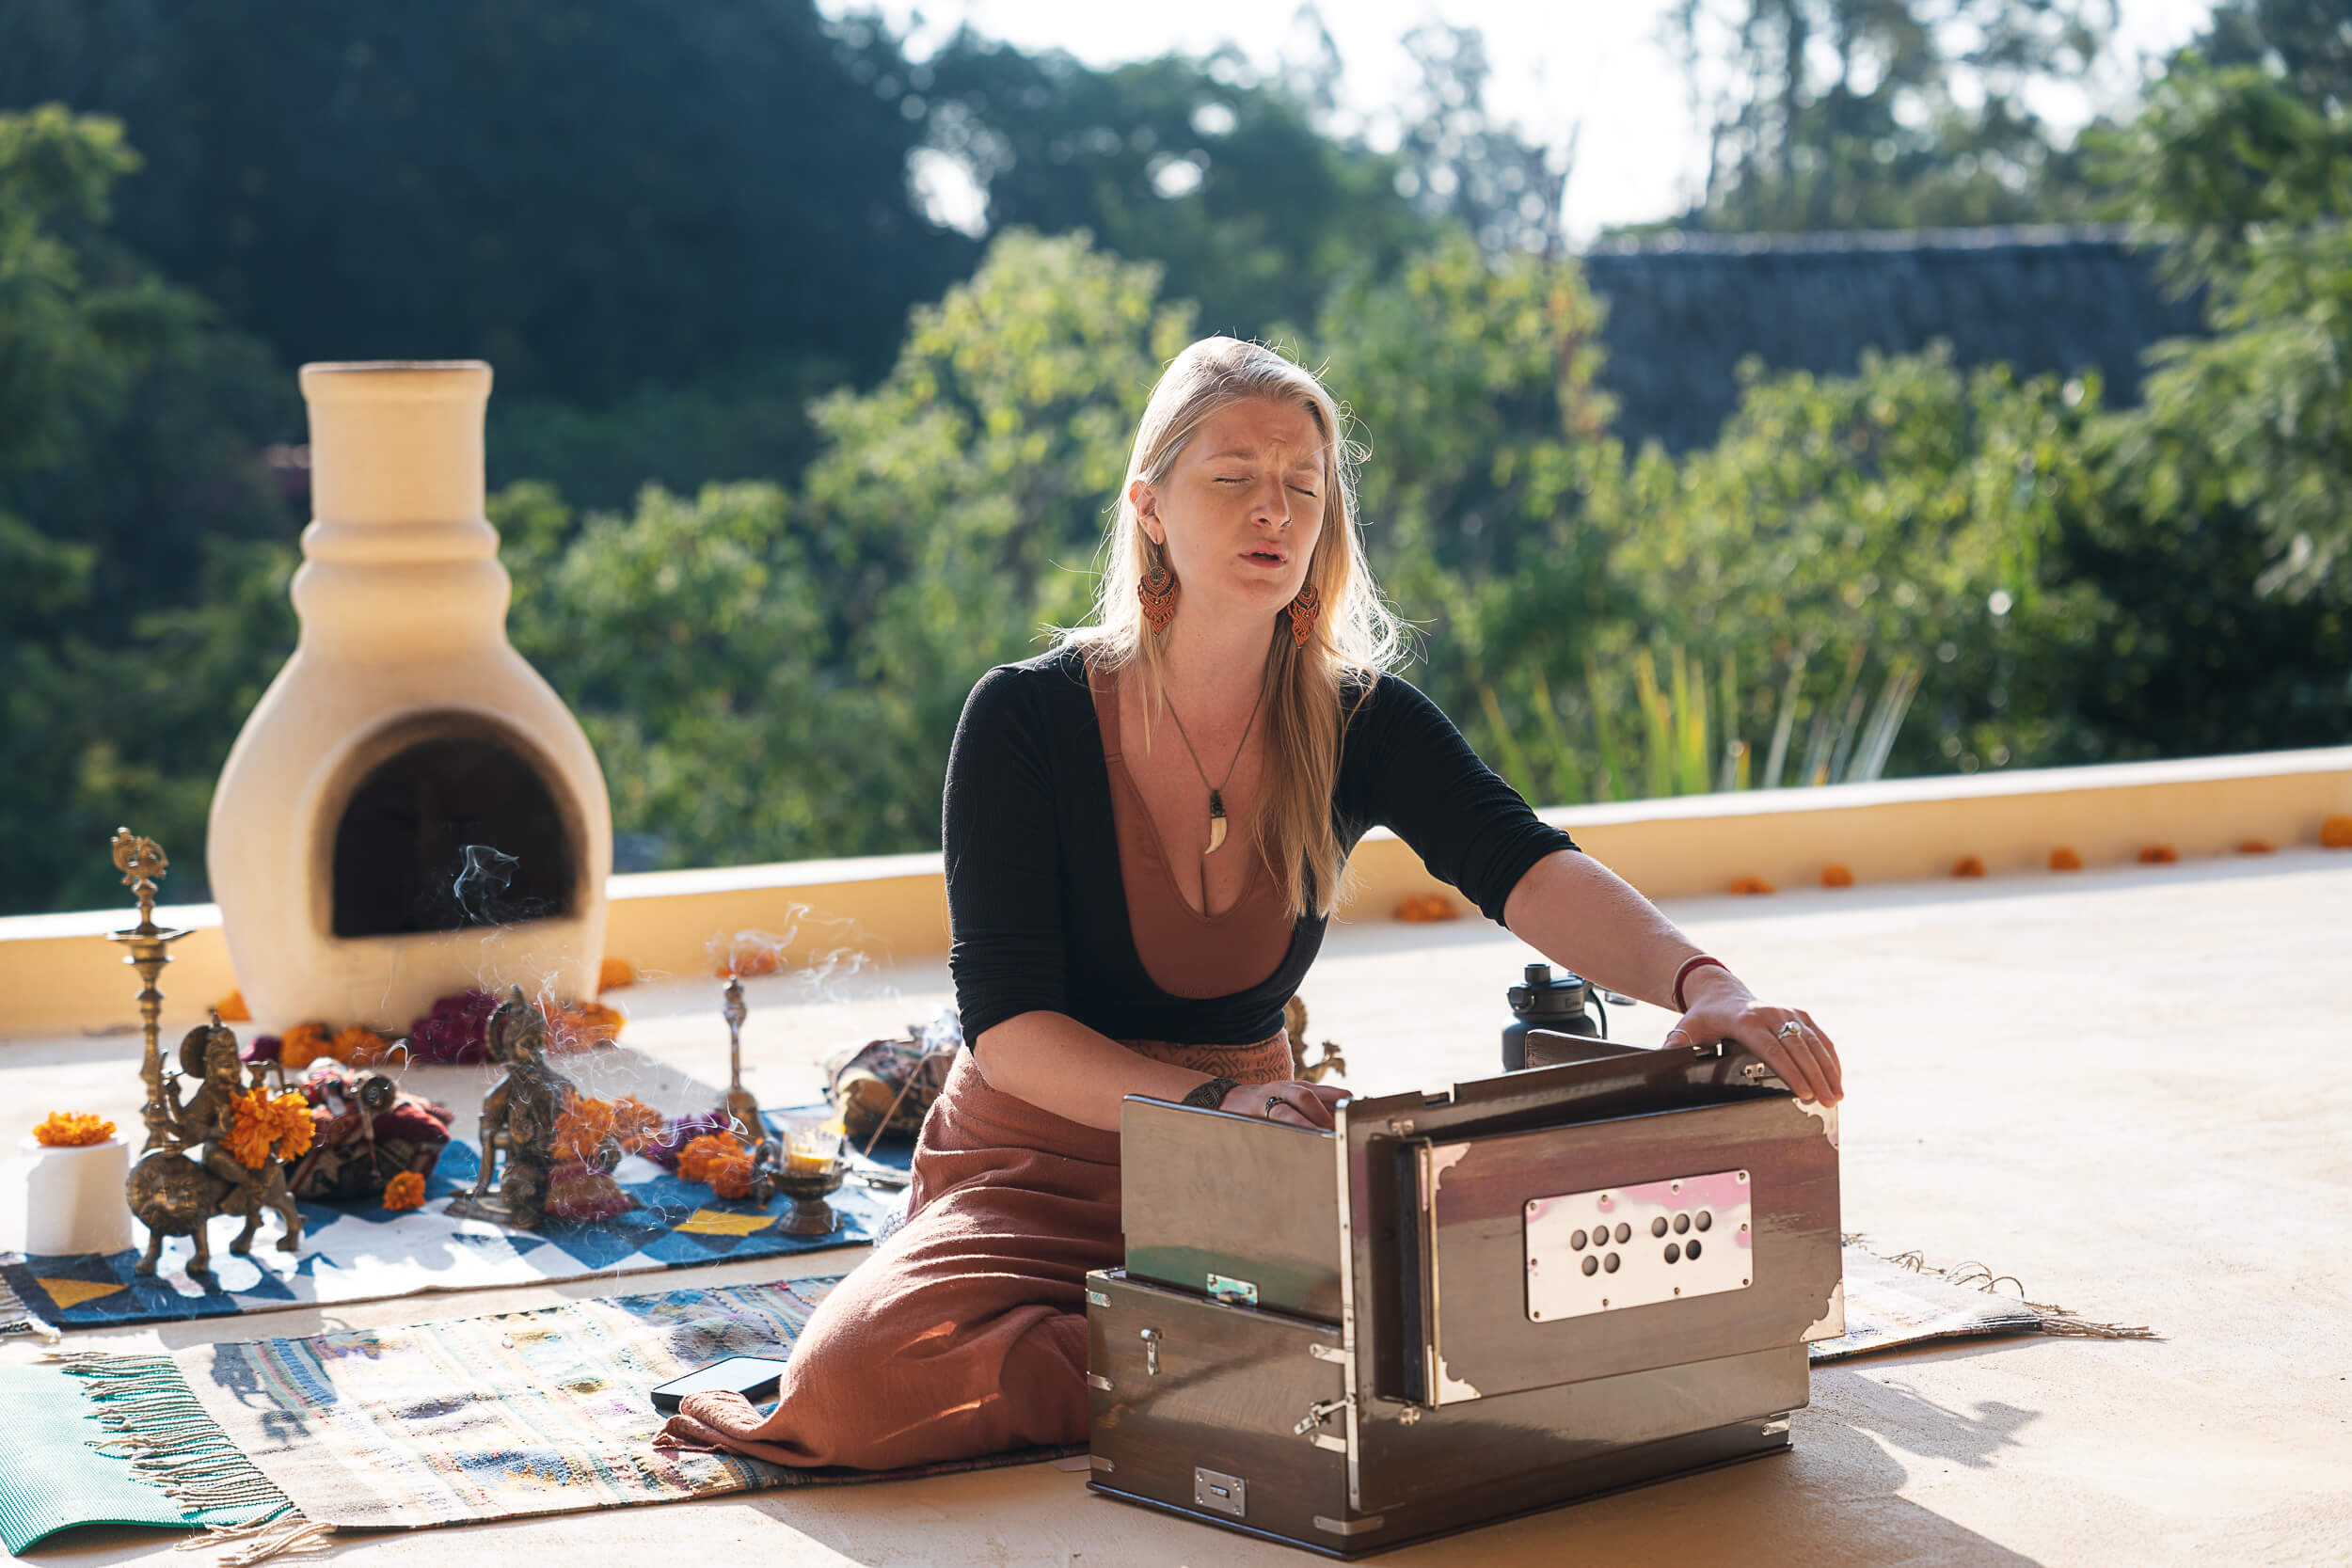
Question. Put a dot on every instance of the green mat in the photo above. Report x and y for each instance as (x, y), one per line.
(58, 1479)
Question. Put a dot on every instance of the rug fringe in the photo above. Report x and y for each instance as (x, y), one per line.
(2059, 1321)
(172, 1442)
(17, 1317)
(262, 1542)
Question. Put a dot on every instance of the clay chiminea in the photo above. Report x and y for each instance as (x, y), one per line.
(410, 809)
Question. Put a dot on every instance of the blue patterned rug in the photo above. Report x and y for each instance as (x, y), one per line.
(367, 1253)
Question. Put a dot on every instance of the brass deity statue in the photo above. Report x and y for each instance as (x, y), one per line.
(171, 1193)
(518, 1119)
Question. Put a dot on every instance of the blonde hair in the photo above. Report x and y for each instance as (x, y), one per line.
(1355, 638)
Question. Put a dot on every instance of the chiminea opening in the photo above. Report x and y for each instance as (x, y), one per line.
(457, 827)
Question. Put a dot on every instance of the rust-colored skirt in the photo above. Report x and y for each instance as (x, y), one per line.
(965, 1332)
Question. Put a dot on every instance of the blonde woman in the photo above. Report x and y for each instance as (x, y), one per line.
(1146, 828)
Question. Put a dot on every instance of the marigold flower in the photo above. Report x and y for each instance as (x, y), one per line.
(749, 957)
(635, 1122)
(1749, 885)
(1422, 908)
(582, 1026)
(2256, 846)
(615, 974)
(694, 1163)
(2336, 833)
(233, 1009)
(2064, 859)
(72, 1129)
(359, 1046)
(303, 1044)
(405, 1191)
(2157, 854)
(732, 1175)
(1836, 875)
(581, 1131)
(261, 1119)
(1968, 865)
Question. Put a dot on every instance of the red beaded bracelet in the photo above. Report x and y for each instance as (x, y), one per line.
(1684, 973)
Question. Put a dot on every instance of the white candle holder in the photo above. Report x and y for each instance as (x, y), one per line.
(73, 1196)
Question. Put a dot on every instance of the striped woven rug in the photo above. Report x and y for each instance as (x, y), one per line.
(547, 1411)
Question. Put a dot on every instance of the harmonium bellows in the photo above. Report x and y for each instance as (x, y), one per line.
(1462, 1304)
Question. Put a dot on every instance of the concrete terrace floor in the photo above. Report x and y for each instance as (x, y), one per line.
(2128, 1090)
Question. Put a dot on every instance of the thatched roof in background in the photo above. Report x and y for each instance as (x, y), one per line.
(1684, 309)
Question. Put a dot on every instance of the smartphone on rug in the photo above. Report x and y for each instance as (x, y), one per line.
(752, 1376)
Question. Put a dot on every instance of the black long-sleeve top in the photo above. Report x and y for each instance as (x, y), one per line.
(1038, 913)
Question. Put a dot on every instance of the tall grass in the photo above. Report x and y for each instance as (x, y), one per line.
(1680, 735)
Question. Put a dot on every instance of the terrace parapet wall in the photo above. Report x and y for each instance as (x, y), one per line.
(62, 977)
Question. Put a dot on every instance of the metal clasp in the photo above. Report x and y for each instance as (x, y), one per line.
(1151, 1337)
(1318, 1412)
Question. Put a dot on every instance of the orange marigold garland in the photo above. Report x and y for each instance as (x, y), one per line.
(732, 1177)
(405, 1191)
(586, 1125)
(1424, 907)
(578, 1026)
(2336, 833)
(303, 1044)
(2158, 855)
(359, 1046)
(695, 1161)
(263, 1119)
(613, 973)
(1749, 885)
(720, 1161)
(1968, 865)
(1837, 875)
(233, 1009)
(2256, 846)
(72, 1129)
(2064, 859)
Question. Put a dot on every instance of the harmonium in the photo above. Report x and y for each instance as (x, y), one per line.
(1462, 1304)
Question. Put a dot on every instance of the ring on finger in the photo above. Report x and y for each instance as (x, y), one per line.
(1271, 1102)
(1678, 1030)
(1789, 1029)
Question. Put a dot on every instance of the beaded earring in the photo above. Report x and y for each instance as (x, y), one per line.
(1157, 590)
(1303, 610)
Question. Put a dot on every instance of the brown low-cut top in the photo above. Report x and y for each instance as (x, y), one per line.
(1186, 953)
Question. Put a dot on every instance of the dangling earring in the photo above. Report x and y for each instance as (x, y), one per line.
(1303, 610)
(1159, 593)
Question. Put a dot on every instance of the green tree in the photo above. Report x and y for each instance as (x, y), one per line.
(142, 551)
(1910, 512)
(1884, 114)
(1194, 165)
(770, 674)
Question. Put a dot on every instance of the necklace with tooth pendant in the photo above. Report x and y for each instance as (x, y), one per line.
(1216, 791)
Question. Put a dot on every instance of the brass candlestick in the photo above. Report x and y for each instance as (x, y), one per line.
(141, 862)
(740, 1107)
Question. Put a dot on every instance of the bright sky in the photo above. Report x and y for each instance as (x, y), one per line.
(1559, 64)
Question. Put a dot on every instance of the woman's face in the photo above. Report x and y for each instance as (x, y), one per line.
(1240, 511)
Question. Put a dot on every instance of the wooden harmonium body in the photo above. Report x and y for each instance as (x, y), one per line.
(1464, 1304)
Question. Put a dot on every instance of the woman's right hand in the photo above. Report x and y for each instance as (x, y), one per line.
(1287, 1100)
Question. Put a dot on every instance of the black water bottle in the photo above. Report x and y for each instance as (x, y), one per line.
(1554, 1002)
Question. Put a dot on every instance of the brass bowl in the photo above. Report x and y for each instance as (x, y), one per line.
(810, 1214)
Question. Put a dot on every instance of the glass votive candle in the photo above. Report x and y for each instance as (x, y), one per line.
(811, 1148)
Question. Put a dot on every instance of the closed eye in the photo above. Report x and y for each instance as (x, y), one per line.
(1300, 488)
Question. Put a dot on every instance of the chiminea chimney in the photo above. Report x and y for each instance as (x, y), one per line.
(410, 809)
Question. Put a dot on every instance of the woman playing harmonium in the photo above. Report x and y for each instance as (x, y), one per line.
(1146, 827)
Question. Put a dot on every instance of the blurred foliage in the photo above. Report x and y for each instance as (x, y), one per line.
(1907, 569)
(1884, 114)
(142, 563)
(770, 675)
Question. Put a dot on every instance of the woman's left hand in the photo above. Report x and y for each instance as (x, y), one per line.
(1785, 1038)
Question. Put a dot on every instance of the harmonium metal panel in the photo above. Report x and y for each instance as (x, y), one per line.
(1464, 1304)
(1240, 1417)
